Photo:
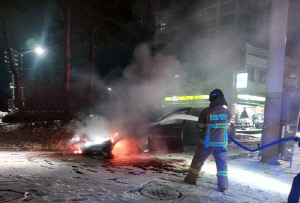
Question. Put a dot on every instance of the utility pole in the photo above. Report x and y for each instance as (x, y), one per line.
(67, 48)
(18, 102)
(92, 56)
(278, 30)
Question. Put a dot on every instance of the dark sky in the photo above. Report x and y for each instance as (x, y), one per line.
(37, 20)
(28, 26)
(34, 26)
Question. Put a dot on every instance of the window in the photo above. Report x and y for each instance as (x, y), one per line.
(227, 19)
(251, 74)
(262, 76)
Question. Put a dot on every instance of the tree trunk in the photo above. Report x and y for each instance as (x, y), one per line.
(17, 79)
(92, 56)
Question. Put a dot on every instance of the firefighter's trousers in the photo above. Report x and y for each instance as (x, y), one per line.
(199, 158)
(294, 195)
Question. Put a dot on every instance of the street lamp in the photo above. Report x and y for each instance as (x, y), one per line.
(39, 51)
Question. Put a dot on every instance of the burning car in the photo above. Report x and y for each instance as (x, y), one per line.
(94, 145)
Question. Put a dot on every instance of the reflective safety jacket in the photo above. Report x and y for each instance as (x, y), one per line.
(214, 122)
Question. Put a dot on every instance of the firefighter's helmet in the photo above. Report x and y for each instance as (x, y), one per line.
(215, 94)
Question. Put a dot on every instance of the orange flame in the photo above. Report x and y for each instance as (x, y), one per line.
(112, 138)
(78, 151)
(125, 147)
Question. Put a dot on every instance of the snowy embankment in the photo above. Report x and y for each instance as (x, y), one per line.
(2, 114)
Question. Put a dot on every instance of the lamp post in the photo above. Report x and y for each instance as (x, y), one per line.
(37, 50)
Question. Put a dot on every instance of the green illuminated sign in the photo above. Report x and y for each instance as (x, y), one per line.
(251, 97)
(186, 98)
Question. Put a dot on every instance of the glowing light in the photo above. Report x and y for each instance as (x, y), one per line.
(39, 50)
(99, 140)
(125, 147)
(241, 80)
(176, 76)
(109, 89)
(186, 98)
(78, 151)
(75, 139)
(250, 97)
(115, 135)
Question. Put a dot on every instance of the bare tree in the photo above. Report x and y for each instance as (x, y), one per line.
(6, 12)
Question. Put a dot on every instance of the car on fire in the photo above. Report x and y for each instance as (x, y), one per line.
(172, 131)
(94, 145)
(167, 134)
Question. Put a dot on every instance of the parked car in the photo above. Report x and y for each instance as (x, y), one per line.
(173, 131)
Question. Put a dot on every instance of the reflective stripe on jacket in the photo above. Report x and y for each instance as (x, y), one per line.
(215, 121)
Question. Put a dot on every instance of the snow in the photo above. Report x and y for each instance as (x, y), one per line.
(65, 177)
(2, 114)
(43, 176)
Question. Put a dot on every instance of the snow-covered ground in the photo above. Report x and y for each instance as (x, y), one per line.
(2, 114)
(64, 177)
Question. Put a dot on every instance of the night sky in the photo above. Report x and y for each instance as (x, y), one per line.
(40, 23)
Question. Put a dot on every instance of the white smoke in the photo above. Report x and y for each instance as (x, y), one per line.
(142, 89)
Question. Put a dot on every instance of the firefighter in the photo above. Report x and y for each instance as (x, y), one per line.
(212, 124)
(294, 195)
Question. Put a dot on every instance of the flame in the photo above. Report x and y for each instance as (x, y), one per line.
(125, 147)
(114, 136)
(78, 151)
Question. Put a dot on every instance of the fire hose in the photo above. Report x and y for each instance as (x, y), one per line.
(296, 139)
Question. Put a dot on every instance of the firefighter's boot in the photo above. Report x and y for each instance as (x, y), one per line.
(191, 178)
